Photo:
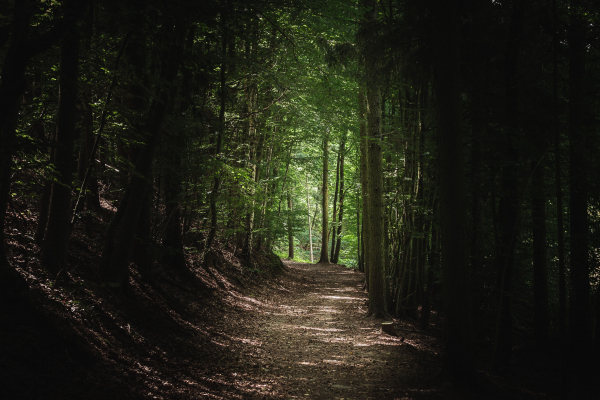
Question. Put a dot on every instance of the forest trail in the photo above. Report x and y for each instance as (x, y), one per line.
(313, 340)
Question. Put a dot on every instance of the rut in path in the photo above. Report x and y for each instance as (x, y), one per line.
(313, 340)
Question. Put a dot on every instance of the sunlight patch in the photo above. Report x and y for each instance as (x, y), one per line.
(342, 298)
(318, 329)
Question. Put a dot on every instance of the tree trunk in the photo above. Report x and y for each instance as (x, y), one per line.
(172, 240)
(579, 299)
(12, 86)
(335, 203)
(40, 230)
(312, 260)
(509, 196)
(431, 272)
(560, 241)
(375, 170)
(247, 248)
(290, 230)
(217, 179)
(458, 318)
(364, 180)
(325, 205)
(92, 195)
(141, 255)
(58, 230)
(541, 323)
(336, 256)
(359, 239)
(42, 222)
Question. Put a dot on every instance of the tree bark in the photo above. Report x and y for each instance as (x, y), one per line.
(325, 205)
(172, 240)
(12, 85)
(335, 203)
(541, 323)
(579, 299)
(458, 318)
(336, 255)
(312, 260)
(364, 180)
(509, 197)
(560, 241)
(375, 170)
(290, 229)
(217, 179)
(58, 230)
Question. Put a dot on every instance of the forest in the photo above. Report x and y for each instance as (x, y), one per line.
(159, 160)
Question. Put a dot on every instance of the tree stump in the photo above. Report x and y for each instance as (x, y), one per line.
(388, 327)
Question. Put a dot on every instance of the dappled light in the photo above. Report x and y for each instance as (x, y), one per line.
(317, 329)
(342, 298)
(318, 335)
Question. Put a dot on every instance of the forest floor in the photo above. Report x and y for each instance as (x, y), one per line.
(312, 339)
(219, 330)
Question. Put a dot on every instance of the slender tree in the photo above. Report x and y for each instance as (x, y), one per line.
(336, 255)
(290, 227)
(312, 259)
(325, 204)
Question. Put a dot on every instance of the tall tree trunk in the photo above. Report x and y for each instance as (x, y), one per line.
(335, 200)
(325, 204)
(312, 259)
(58, 230)
(172, 240)
(431, 271)
(458, 318)
(579, 299)
(266, 198)
(42, 222)
(374, 166)
(364, 180)
(12, 85)
(560, 241)
(173, 233)
(92, 195)
(141, 255)
(217, 179)
(336, 255)
(40, 230)
(375, 170)
(248, 239)
(290, 230)
(508, 207)
(541, 323)
(359, 235)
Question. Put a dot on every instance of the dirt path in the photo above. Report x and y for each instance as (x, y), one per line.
(311, 339)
